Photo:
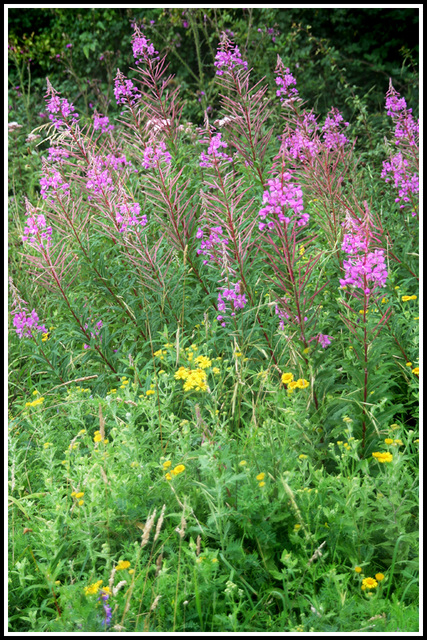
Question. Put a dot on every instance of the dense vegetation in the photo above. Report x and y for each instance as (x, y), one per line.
(213, 338)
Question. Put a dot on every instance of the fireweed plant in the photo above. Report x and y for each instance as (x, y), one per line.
(244, 315)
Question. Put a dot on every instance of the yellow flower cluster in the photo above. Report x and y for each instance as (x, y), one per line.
(194, 379)
(174, 472)
(123, 564)
(416, 371)
(288, 379)
(77, 496)
(383, 456)
(97, 437)
(34, 403)
(406, 298)
(124, 382)
(45, 336)
(93, 588)
(203, 362)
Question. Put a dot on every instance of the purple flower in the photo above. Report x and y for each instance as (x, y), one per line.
(24, 324)
(282, 194)
(141, 46)
(365, 269)
(153, 155)
(228, 57)
(333, 138)
(215, 143)
(129, 215)
(57, 105)
(102, 123)
(124, 90)
(52, 183)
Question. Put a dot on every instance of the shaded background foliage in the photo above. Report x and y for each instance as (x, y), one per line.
(326, 48)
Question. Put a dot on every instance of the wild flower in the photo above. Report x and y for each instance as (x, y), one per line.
(228, 57)
(108, 614)
(333, 138)
(93, 588)
(286, 82)
(282, 194)
(154, 154)
(52, 183)
(102, 122)
(123, 564)
(124, 90)
(365, 269)
(143, 49)
(56, 105)
(383, 456)
(24, 324)
(369, 583)
(287, 378)
(215, 143)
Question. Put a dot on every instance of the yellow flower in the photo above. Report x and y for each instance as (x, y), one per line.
(261, 484)
(358, 569)
(47, 444)
(379, 576)
(182, 373)
(203, 362)
(131, 571)
(383, 456)
(409, 364)
(238, 354)
(168, 476)
(97, 438)
(179, 469)
(416, 371)
(297, 526)
(302, 384)
(123, 564)
(384, 300)
(81, 502)
(287, 378)
(302, 456)
(73, 493)
(339, 442)
(260, 476)
(167, 464)
(369, 583)
(406, 298)
(93, 588)
(388, 440)
(214, 560)
(216, 370)
(398, 442)
(413, 298)
(292, 385)
(242, 463)
(150, 392)
(80, 494)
